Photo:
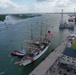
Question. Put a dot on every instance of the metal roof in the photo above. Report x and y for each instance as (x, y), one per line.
(70, 52)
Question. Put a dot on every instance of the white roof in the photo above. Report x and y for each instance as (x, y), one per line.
(73, 34)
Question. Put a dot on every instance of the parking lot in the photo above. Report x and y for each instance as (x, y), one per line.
(59, 69)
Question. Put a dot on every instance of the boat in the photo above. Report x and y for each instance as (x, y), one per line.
(73, 34)
(73, 16)
(35, 53)
(64, 24)
(18, 52)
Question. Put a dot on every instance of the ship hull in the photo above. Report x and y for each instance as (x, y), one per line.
(67, 26)
(24, 63)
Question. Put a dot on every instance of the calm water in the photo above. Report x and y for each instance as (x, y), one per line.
(14, 36)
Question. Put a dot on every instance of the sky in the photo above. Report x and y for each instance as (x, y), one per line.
(36, 6)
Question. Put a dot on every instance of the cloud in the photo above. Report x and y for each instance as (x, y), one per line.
(57, 2)
(7, 5)
(74, 1)
(44, 0)
(42, 7)
(62, 3)
(56, 5)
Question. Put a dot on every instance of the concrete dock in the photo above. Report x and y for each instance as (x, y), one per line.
(48, 62)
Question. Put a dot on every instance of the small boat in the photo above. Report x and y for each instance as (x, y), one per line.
(19, 52)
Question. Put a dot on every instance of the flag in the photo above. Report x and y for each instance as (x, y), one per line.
(51, 34)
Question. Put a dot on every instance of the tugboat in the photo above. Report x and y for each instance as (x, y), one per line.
(19, 52)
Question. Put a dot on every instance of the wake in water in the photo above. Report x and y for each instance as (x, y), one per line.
(1, 73)
(10, 19)
(13, 59)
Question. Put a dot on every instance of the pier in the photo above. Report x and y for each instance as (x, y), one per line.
(50, 60)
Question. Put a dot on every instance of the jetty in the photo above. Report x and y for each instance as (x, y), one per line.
(50, 60)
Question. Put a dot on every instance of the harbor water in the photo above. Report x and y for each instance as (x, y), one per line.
(15, 37)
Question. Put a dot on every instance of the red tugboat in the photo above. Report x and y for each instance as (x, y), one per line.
(18, 52)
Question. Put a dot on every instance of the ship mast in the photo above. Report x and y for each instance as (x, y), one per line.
(31, 38)
(46, 32)
(40, 39)
(62, 16)
(74, 11)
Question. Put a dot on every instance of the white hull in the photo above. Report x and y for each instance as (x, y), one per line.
(26, 62)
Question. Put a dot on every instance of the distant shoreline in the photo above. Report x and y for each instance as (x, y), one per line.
(18, 16)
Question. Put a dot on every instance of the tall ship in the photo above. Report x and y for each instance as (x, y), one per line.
(40, 47)
(65, 24)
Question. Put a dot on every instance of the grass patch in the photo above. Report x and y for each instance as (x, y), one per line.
(74, 45)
